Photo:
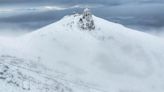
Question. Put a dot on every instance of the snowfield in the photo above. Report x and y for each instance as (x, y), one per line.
(74, 56)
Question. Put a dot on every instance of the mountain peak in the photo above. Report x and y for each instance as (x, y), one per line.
(107, 50)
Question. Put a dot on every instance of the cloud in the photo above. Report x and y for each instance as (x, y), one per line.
(156, 31)
(50, 2)
(30, 9)
(11, 29)
(34, 14)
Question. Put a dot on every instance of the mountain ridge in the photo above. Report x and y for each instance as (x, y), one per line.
(98, 53)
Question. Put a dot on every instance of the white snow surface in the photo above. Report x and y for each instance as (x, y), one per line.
(61, 57)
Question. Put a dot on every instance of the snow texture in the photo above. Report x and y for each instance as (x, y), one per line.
(82, 53)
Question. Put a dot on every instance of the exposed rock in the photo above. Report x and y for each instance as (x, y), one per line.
(87, 22)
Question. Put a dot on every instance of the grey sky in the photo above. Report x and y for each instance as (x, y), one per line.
(78, 1)
(33, 14)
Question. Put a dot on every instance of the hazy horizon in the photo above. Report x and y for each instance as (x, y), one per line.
(29, 15)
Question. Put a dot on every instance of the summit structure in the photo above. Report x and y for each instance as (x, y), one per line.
(87, 22)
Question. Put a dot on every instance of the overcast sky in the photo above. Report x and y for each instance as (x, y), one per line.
(33, 14)
(108, 2)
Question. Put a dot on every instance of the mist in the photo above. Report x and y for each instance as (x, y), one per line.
(11, 30)
(159, 32)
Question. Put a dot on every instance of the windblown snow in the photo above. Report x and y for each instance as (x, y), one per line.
(82, 53)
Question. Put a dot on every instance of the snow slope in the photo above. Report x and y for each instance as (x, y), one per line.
(109, 58)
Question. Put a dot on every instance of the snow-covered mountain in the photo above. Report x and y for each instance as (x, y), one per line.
(83, 53)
